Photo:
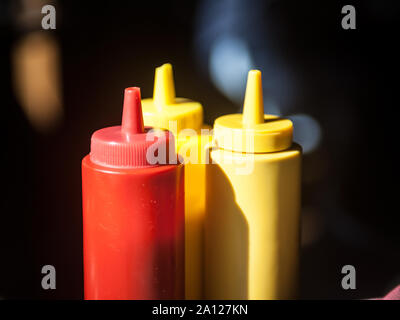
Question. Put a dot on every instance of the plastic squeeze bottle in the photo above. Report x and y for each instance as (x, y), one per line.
(184, 118)
(253, 204)
(133, 212)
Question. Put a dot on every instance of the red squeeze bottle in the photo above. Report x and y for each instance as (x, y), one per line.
(133, 213)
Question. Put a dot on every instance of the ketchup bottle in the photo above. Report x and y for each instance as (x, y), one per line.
(133, 212)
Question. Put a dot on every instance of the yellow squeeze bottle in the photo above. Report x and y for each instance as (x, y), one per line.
(252, 228)
(184, 118)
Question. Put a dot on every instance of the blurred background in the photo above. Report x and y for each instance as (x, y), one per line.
(340, 88)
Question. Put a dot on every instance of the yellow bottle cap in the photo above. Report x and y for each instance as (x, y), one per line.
(165, 107)
(253, 131)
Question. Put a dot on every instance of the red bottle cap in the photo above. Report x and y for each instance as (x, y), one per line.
(131, 144)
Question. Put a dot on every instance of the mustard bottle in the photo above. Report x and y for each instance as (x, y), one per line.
(184, 118)
(252, 204)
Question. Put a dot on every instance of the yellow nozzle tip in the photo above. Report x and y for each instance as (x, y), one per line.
(253, 108)
(252, 131)
(164, 88)
(167, 111)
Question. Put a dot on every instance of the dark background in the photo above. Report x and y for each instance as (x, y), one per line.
(347, 80)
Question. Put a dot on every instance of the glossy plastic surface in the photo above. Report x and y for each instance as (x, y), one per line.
(133, 232)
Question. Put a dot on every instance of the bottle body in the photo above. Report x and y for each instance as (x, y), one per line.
(252, 224)
(133, 232)
(184, 118)
(194, 149)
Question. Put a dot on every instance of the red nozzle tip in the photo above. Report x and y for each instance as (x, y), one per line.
(132, 118)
